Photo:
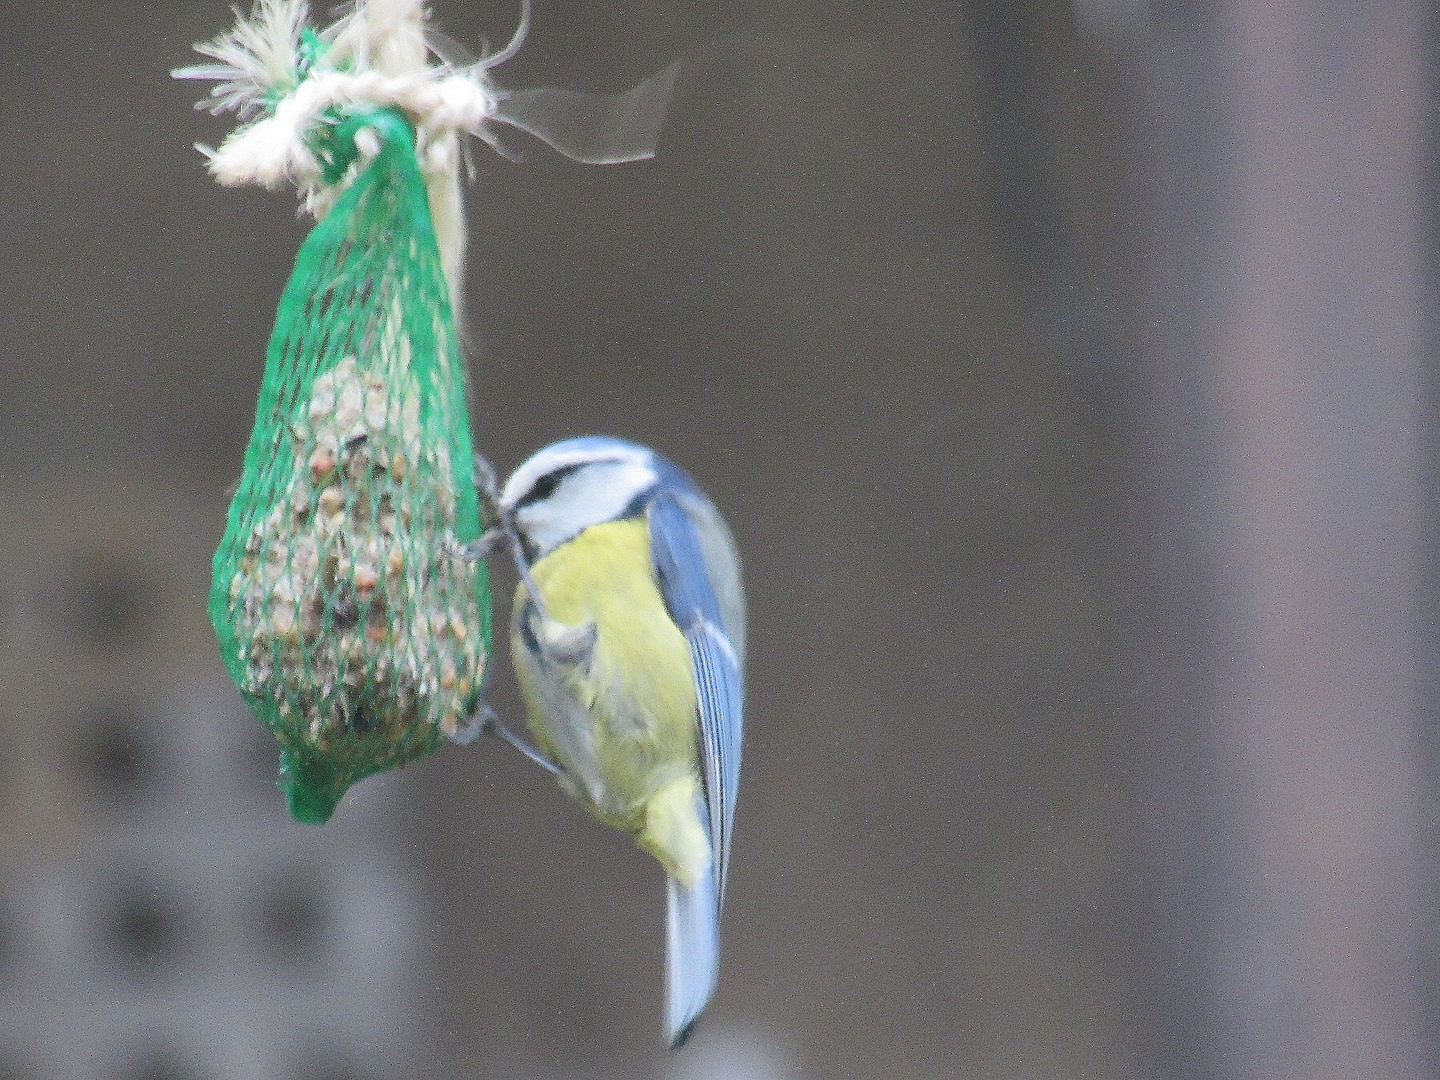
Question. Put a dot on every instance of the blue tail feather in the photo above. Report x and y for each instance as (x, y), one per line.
(692, 954)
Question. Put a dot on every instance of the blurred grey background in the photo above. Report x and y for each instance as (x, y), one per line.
(1063, 369)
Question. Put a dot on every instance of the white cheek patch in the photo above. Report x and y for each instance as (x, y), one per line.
(574, 452)
(593, 494)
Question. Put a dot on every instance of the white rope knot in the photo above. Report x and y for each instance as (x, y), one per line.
(443, 105)
(376, 55)
(273, 150)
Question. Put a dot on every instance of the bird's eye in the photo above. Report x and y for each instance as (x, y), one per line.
(545, 486)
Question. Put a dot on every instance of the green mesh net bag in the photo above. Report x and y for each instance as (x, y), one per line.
(346, 610)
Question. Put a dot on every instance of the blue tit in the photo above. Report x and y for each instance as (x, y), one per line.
(628, 639)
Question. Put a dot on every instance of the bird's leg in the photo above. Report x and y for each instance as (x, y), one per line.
(505, 734)
(502, 530)
(489, 540)
(487, 484)
(498, 528)
(484, 719)
(523, 567)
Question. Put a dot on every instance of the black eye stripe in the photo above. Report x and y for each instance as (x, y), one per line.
(545, 486)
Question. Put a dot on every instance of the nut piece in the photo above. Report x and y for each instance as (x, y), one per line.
(331, 501)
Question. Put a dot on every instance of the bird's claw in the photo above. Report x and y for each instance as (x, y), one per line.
(475, 725)
(564, 643)
(489, 540)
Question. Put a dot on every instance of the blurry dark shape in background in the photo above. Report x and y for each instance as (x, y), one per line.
(1061, 370)
(116, 756)
(104, 601)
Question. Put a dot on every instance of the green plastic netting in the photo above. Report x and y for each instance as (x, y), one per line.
(346, 612)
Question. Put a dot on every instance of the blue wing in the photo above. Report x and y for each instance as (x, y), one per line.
(678, 552)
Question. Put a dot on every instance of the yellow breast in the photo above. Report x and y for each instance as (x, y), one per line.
(636, 758)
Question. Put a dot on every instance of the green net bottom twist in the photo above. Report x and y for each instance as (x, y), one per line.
(346, 611)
